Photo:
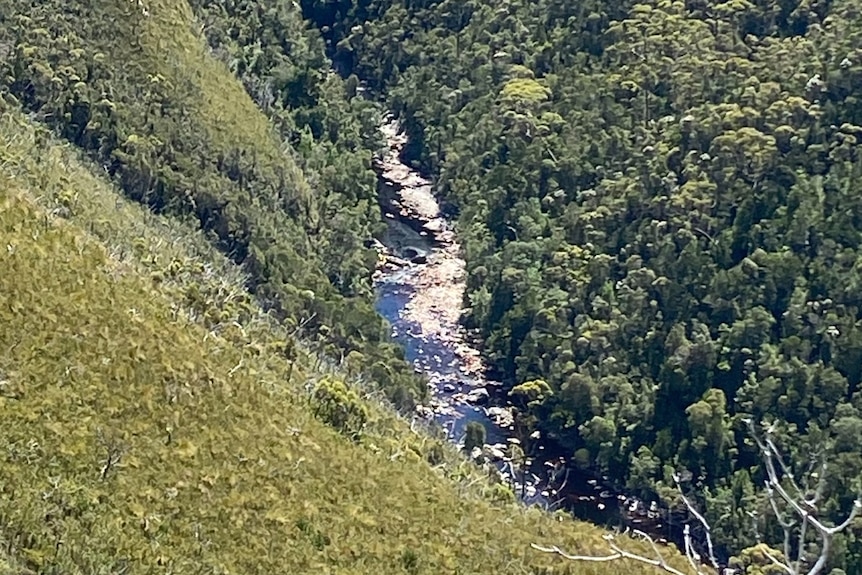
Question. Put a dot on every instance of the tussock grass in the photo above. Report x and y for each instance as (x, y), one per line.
(138, 89)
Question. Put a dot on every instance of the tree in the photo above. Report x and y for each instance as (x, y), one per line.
(474, 436)
(807, 541)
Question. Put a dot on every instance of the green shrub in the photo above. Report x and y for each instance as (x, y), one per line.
(340, 407)
(475, 436)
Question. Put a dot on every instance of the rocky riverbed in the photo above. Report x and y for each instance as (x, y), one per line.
(420, 283)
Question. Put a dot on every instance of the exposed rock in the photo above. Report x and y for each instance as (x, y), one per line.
(396, 261)
(424, 412)
(500, 416)
(494, 452)
(435, 226)
(477, 395)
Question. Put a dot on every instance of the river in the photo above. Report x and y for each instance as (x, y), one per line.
(420, 287)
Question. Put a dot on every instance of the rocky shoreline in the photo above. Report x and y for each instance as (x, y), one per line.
(420, 280)
(434, 277)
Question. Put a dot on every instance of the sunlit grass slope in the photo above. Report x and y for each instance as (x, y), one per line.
(144, 430)
(135, 85)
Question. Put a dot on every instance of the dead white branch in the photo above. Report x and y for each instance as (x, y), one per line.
(804, 506)
(618, 553)
(693, 557)
(794, 515)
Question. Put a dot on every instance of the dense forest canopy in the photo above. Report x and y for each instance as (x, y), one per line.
(661, 209)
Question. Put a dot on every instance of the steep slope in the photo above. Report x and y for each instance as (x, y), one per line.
(136, 85)
(659, 203)
(155, 417)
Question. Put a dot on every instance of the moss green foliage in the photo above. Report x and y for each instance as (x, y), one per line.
(659, 203)
(156, 418)
(136, 85)
(340, 407)
(474, 436)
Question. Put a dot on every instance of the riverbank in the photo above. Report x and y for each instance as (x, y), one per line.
(420, 282)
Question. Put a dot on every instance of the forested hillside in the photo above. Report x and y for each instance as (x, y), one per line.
(138, 87)
(661, 207)
(171, 392)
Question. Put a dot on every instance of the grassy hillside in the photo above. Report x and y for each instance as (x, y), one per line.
(136, 86)
(147, 428)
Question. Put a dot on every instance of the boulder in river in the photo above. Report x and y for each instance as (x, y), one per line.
(434, 226)
(495, 452)
(477, 395)
(424, 411)
(500, 416)
(396, 261)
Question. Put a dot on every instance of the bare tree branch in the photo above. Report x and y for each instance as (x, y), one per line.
(769, 453)
(713, 561)
(302, 324)
(618, 553)
(114, 451)
(783, 505)
(786, 524)
(643, 535)
(690, 553)
(800, 549)
(776, 562)
(562, 553)
(787, 473)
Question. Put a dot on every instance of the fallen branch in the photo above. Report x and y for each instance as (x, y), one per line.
(618, 553)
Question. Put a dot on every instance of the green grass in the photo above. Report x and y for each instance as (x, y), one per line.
(147, 99)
